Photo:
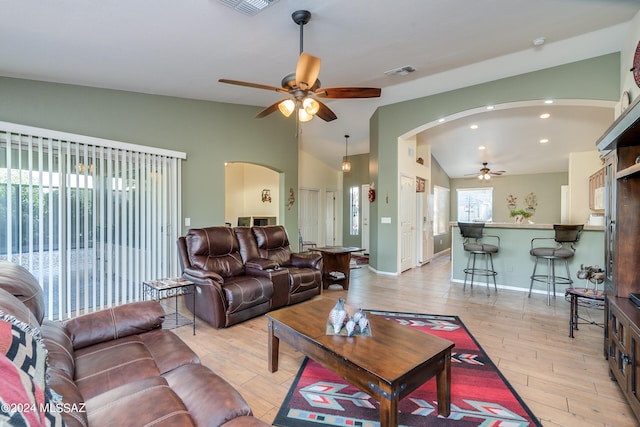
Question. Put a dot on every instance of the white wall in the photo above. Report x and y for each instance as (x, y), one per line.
(244, 183)
(316, 175)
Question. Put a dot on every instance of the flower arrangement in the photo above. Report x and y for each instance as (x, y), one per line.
(512, 200)
(531, 201)
(521, 212)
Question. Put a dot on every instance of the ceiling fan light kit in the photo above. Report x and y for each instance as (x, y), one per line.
(303, 86)
(287, 107)
(486, 173)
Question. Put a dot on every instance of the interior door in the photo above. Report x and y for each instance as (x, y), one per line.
(407, 222)
(364, 209)
(308, 218)
(330, 206)
(424, 236)
(427, 231)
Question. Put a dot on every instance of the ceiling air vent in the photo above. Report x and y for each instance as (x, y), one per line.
(248, 7)
(401, 71)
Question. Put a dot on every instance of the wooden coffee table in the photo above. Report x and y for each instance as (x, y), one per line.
(388, 365)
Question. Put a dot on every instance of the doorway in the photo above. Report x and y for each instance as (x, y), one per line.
(308, 214)
(365, 219)
(407, 222)
(330, 222)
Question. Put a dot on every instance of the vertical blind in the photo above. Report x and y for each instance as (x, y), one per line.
(89, 218)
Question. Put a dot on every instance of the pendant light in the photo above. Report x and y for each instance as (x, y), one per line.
(346, 164)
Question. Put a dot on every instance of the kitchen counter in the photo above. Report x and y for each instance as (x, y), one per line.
(526, 225)
(513, 262)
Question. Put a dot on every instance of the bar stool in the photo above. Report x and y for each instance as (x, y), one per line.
(565, 238)
(473, 233)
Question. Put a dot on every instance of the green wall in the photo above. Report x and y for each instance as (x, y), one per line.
(595, 78)
(210, 133)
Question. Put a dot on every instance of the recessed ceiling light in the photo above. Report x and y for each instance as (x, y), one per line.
(538, 41)
(544, 141)
(482, 147)
(473, 126)
(490, 107)
(548, 101)
(545, 116)
(441, 120)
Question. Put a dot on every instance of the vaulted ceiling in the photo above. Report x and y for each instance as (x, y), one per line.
(182, 48)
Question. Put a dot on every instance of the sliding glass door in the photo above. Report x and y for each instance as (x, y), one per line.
(89, 218)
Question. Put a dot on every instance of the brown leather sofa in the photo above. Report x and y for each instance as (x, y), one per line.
(243, 272)
(112, 367)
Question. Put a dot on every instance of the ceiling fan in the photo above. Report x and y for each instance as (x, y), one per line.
(485, 172)
(304, 87)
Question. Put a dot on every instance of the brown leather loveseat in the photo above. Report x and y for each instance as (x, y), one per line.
(243, 272)
(107, 368)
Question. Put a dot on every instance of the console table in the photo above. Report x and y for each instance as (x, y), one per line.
(335, 264)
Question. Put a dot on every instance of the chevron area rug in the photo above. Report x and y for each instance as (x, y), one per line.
(480, 395)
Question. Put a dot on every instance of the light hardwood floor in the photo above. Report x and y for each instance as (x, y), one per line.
(564, 381)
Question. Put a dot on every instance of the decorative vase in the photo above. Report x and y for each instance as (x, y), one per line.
(363, 322)
(350, 327)
(519, 218)
(338, 316)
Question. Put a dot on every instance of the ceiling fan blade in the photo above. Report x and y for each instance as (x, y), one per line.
(253, 85)
(270, 109)
(325, 113)
(349, 92)
(307, 71)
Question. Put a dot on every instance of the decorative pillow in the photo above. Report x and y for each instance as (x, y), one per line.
(23, 372)
(23, 345)
(20, 399)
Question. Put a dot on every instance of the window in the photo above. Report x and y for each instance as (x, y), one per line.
(354, 211)
(89, 218)
(440, 210)
(475, 204)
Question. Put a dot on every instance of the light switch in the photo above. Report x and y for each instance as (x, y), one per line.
(385, 220)
(187, 222)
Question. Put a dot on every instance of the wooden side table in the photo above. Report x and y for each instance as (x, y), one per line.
(336, 264)
(158, 289)
(575, 294)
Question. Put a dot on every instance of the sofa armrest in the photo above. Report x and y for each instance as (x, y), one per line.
(307, 259)
(261, 264)
(113, 323)
(198, 276)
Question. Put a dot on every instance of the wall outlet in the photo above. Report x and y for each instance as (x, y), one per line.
(385, 220)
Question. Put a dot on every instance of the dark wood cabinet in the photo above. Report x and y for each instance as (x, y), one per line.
(621, 146)
(624, 348)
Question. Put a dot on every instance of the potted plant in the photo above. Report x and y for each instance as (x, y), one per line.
(520, 214)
